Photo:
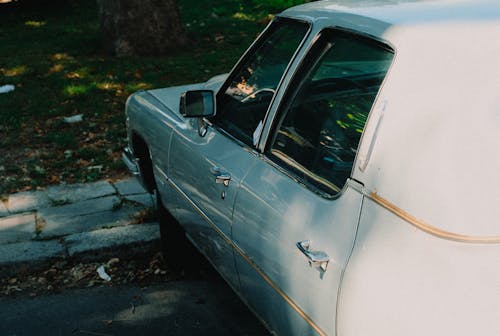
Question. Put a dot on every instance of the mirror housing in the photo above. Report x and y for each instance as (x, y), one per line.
(197, 104)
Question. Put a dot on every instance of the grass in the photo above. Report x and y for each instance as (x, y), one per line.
(51, 51)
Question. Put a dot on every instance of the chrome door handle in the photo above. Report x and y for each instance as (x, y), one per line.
(221, 177)
(316, 258)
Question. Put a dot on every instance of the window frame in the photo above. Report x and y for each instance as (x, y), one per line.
(250, 52)
(295, 84)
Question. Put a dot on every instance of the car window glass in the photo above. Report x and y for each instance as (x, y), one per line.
(243, 102)
(327, 106)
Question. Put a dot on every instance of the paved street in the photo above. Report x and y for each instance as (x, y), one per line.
(172, 308)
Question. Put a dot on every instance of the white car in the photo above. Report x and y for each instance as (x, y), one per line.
(344, 177)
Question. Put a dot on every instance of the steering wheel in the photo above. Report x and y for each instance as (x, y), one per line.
(253, 95)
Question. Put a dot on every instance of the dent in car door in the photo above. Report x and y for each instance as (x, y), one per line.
(297, 212)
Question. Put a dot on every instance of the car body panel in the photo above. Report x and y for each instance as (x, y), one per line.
(195, 176)
(272, 215)
(414, 235)
(441, 184)
(150, 120)
(403, 281)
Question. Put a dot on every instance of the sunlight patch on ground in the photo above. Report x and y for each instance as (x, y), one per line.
(75, 90)
(243, 16)
(73, 75)
(56, 68)
(61, 57)
(109, 86)
(138, 86)
(35, 24)
(16, 71)
(252, 17)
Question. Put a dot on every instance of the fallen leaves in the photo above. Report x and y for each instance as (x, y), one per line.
(51, 152)
(64, 275)
(219, 38)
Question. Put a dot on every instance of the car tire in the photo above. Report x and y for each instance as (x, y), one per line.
(178, 252)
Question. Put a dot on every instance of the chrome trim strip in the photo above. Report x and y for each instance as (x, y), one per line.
(427, 227)
(296, 165)
(199, 211)
(248, 260)
(161, 172)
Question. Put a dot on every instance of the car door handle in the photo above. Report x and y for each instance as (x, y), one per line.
(221, 177)
(316, 258)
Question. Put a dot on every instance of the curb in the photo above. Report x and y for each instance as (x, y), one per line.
(86, 221)
(117, 242)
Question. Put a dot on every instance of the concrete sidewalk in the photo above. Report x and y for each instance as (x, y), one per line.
(80, 220)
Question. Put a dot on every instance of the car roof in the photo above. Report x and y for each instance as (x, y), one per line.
(402, 12)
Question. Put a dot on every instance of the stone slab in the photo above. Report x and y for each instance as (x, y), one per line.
(3, 210)
(28, 255)
(142, 199)
(64, 225)
(27, 201)
(129, 187)
(17, 228)
(112, 239)
(86, 207)
(72, 193)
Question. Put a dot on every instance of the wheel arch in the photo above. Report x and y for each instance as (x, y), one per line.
(143, 154)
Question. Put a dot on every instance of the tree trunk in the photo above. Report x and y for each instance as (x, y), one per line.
(140, 27)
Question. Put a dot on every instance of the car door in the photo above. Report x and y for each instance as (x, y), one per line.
(207, 168)
(296, 215)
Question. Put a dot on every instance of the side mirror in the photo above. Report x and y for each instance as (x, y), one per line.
(197, 104)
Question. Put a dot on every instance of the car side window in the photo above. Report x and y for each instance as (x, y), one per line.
(244, 100)
(325, 110)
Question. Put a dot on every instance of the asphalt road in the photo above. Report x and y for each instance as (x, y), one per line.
(171, 308)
